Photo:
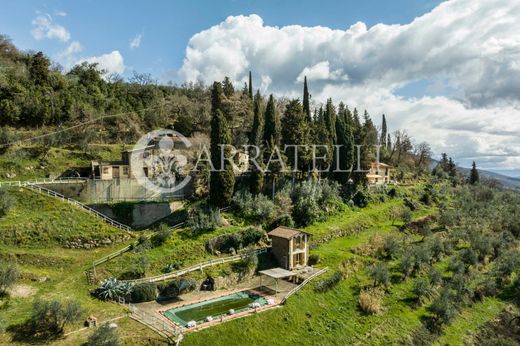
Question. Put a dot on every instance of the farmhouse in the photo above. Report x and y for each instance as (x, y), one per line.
(290, 247)
(379, 173)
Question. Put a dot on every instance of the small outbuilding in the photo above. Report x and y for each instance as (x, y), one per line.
(290, 247)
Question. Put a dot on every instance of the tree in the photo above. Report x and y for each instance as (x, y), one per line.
(344, 152)
(295, 132)
(227, 87)
(250, 86)
(272, 124)
(256, 134)
(256, 178)
(442, 307)
(384, 133)
(222, 179)
(51, 316)
(452, 168)
(306, 101)
(8, 276)
(39, 69)
(380, 274)
(422, 288)
(473, 175)
(104, 336)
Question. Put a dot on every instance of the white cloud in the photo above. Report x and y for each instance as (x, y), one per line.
(43, 28)
(136, 41)
(67, 57)
(471, 46)
(109, 63)
(60, 13)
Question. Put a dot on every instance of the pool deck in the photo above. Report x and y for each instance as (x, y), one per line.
(200, 296)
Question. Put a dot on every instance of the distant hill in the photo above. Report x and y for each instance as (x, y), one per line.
(506, 181)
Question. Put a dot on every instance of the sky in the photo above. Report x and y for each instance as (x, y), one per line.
(447, 72)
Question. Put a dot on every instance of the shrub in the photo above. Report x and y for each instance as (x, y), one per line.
(104, 336)
(160, 237)
(442, 307)
(406, 215)
(422, 288)
(144, 292)
(313, 259)
(391, 247)
(379, 274)
(49, 317)
(6, 202)
(434, 276)
(306, 211)
(327, 284)
(8, 276)
(371, 300)
(177, 287)
(235, 241)
(360, 199)
(506, 264)
(258, 207)
(201, 220)
(392, 192)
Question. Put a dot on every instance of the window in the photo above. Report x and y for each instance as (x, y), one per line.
(125, 170)
(299, 259)
(105, 170)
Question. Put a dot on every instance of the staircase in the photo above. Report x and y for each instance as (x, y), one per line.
(91, 278)
(172, 333)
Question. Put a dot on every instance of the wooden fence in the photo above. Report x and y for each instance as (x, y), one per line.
(300, 286)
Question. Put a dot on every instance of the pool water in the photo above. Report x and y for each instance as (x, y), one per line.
(216, 307)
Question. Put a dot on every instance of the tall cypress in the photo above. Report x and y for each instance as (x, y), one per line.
(256, 178)
(272, 124)
(344, 154)
(474, 176)
(306, 100)
(384, 132)
(250, 86)
(222, 179)
(255, 137)
(295, 132)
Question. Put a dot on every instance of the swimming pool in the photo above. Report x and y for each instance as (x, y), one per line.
(214, 308)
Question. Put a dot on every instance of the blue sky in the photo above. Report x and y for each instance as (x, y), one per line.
(446, 72)
(166, 26)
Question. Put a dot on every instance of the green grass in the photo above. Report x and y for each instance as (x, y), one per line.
(38, 221)
(333, 317)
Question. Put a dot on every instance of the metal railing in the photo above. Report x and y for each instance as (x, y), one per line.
(162, 327)
(300, 286)
(43, 190)
(199, 266)
(21, 183)
(128, 248)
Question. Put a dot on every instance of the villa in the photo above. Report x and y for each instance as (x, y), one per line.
(379, 173)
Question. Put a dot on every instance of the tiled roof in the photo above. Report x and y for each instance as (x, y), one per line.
(285, 232)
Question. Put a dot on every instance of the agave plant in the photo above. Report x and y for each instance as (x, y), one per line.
(111, 289)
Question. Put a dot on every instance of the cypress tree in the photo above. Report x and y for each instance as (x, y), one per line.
(256, 178)
(452, 168)
(474, 176)
(356, 127)
(389, 142)
(295, 132)
(255, 137)
(272, 124)
(306, 100)
(343, 155)
(383, 133)
(222, 179)
(250, 86)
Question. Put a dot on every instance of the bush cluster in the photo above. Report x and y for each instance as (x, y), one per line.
(327, 284)
(235, 241)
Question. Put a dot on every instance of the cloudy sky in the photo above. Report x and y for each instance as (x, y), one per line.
(448, 72)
